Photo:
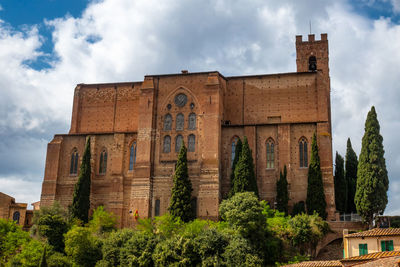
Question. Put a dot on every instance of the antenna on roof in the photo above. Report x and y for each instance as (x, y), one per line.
(310, 26)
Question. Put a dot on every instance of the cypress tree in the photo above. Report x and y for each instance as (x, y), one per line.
(340, 184)
(282, 194)
(315, 189)
(238, 151)
(372, 177)
(43, 261)
(180, 205)
(245, 178)
(81, 198)
(351, 177)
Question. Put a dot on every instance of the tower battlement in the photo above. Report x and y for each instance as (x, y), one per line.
(311, 38)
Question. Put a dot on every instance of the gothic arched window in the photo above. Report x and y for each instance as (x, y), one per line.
(312, 63)
(303, 151)
(103, 162)
(167, 144)
(167, 122)
(178, 143)
(192, 121)
(270, 154)
(73, 169)
(233, 149)
(191, 143)
(157, 208)
(132, 155)
(16, 216)
(180, 122)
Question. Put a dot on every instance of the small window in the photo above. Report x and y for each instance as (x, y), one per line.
(178, 143)
(387, 245)
(167, 144)
(180, 122)
(167, 122)
(312, 63)
(363, 249)
(132, 155)
(16, 216)
(233, 149)
(191, 143)
(192, 121)
(157, 208)
(303, 153)
(103, 162)
(73, 170)
(270, 154)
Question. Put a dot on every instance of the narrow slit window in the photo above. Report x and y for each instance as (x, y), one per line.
(233, 150)
(303, 153)
(74, 162)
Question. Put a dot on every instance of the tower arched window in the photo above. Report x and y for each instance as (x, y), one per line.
(191, 143)
(132, 155)
(167, 144)
(16, 217)
(73, 169)
(303, 152)
(178, 142)
(312, 63)
(167, 122)
(103, 162)
(270, 147)
(233, 149)
(180, 122)
(192, 121)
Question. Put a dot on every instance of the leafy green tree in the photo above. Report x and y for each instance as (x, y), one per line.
(30, 254)
(81, 198)
(351, 177)
(372, 177)
(245, 178)
(340, 184)
(238, 152)
(138, 250)
(53, 227)
(210, 246)
(57, 259)
(282, 194)
(315, 189)
(113, 244)
(43, 262)
(102, 221)
(180, 205)
(239, 252)
(12, 237)
(83, 248)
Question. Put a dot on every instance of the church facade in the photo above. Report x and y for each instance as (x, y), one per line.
(137, 128)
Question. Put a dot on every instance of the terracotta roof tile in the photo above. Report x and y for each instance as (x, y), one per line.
(376, 232)
(376, 255)
(385, 262)
(316, 264)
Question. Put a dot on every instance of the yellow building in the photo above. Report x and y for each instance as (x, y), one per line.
(371, 241)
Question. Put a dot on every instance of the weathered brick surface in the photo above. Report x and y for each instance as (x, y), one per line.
(281, 107)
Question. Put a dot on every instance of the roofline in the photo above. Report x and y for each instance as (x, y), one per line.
(188, 73)
(273, 74)
(109, 84)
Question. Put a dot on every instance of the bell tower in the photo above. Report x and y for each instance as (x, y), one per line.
(312, 55)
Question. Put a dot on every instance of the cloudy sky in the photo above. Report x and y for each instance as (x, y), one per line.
(48, 46)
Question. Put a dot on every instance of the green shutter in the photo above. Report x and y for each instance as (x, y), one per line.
(362, 248)
(390, 245)
(383, 246)
(365, 249)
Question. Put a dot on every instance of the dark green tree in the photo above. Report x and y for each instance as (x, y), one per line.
(315, 189)
(351, 177)
(372, 177)
(180, 205)
(238, 151)
(245, 178)
(81, 198)
(43, 262)
(282, 194)
(340, 184)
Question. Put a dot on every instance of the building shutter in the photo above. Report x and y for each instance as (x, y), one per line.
(361, 249)
(390, 245)
(383, 246)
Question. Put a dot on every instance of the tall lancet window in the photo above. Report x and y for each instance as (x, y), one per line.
(270, 154)
(132, 155)
(167, 144)
(103, 162)
(192, 121)
(233, 150)
(73, 169)
(303, 151)
(167, 122)
(178, 143)
(180, 122)
(191, 143)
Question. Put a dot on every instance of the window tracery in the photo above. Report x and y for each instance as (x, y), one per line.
(270, 147)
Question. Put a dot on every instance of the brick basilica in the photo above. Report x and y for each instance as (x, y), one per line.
(136, 129)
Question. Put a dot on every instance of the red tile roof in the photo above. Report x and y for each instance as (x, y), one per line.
(376, 255)
(376, 232)
(316, 264)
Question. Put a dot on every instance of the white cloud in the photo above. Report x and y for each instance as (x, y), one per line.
(24, 191)
(123, 40)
